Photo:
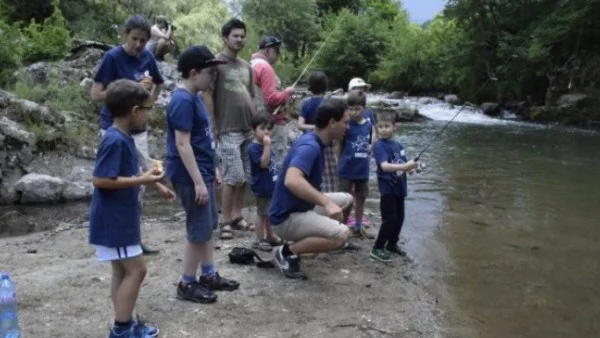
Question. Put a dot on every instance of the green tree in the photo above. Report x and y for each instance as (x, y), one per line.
(49, 40)
(298, 28)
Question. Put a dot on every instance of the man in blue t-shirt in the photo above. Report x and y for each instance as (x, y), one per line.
(191, 167)
(299, 212)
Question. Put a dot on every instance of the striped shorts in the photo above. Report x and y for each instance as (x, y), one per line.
(106, 254)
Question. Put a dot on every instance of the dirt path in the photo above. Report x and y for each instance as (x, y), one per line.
(64, 292)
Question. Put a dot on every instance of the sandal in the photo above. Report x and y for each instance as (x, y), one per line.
(274, 241)
(225, 231)
(235, 224)
(262, 245)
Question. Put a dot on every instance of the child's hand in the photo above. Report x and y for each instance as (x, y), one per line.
(166, 193)
(266, 140)
(411, 165)
(152, 176)
(201, 193)
(146, 81)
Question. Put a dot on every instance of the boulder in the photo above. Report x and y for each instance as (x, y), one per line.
(14, 132)
(38, 188)
(491, 109)
(396, 95)
(571, 99)
(452, 99)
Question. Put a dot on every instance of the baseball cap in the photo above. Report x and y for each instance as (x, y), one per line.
(197, 57)
(357, 82)
(269, 41)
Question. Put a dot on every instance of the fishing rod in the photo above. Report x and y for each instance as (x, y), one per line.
(312, 59)
(491, 78)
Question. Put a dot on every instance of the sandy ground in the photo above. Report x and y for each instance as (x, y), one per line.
(64, 292)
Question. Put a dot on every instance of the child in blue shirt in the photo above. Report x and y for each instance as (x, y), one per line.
(392, 166)
(191, 167)
(317, 85)
(354, 158)
(264, 176)
(114, 210)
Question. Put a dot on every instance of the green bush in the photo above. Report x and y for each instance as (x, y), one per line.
(49, 40)
(11, 50)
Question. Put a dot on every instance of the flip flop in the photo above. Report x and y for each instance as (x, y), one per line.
(235, 224)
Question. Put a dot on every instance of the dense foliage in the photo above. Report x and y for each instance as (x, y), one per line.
(532, 50)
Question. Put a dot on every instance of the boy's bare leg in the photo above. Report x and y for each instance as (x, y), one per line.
(268, 230)
(192, 257)
(359, 208)
(259, 227)
(207, 253)
(128, 290)
(118, 272)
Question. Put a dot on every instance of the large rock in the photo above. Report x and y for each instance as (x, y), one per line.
(39, 188)
(571, 99)
(14, 132)
(491, 109)
(452, 99)
(20, 109)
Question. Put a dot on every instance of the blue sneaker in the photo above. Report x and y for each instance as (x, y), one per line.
(142, 330)
(128, 333)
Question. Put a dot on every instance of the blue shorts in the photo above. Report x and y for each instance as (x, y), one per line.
(200, 220)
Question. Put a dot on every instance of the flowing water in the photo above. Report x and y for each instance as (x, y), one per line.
(503, 225)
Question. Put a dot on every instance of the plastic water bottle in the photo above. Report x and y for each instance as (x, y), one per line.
(9, 318)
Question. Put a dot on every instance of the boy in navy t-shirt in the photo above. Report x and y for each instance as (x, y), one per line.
(114, 210)
(264, 175)
(354, 156)
(191, 167)
(317, 85)
(392, 166)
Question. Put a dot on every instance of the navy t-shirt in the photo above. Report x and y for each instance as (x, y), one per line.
(354, 161)
(186, 112)
(306, 154)
(390, 151)
(116, 65)
(263, 179)
(308, 110)
(115, 213)
(368, 114)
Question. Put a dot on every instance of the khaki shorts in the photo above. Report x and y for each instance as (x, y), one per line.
(359, 187)
(314, 223)
(262, 206)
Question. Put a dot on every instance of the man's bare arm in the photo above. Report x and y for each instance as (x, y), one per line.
(301, 188)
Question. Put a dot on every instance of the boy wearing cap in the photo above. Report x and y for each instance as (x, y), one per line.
(191, 167)
(268, 98)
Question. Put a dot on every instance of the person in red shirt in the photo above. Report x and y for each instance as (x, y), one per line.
(268, 97)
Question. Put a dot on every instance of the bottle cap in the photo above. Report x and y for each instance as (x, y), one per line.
(5, 275)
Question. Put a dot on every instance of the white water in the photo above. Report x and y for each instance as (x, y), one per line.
(438, 110)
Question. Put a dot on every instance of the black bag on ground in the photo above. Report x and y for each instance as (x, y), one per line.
(246, 256)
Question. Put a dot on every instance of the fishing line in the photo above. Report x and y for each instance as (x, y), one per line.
(313, 58)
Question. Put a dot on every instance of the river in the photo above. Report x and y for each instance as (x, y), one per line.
(505, 224)
(502, 226)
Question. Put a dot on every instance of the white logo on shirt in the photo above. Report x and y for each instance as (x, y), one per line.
(361, 146)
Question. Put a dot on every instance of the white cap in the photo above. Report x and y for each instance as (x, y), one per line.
(357, 82)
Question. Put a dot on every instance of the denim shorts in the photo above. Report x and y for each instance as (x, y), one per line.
(200, 220)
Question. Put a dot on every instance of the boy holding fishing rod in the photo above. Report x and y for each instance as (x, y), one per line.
(392, 167)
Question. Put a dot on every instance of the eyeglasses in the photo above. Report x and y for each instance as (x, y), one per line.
(146, 107)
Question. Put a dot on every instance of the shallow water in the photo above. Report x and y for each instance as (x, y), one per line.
(505, 225)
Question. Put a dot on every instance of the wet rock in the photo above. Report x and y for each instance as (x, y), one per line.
(427, 100)
(452, 99)
(396, 95)
(571, 99)
(39, 188)
(491, 109)
(8, 194)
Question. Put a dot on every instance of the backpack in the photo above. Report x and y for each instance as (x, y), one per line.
(246, 256)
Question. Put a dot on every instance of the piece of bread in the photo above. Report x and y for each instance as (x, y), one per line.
(157, 165)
